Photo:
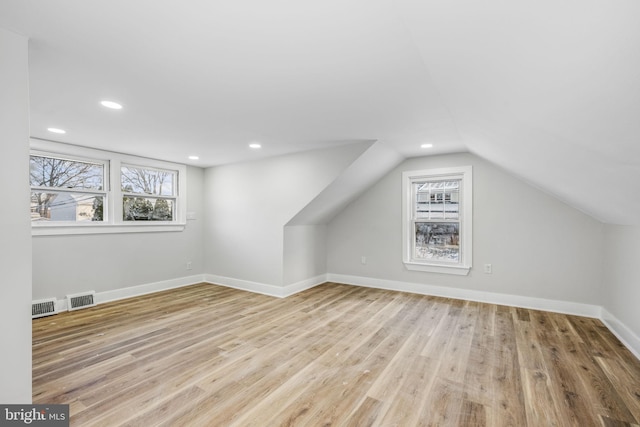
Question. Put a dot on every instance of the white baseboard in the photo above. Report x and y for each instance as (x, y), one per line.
(556, 306)
(265, 289)
(624, 334)
(134, 291)
(244, 285)
(61, 305)
(620, 330)
(148, 288)
(303, 285)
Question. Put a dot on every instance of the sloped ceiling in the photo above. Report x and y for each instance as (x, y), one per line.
(547, 90)
(354, 179)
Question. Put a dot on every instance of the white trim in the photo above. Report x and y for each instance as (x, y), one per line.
(622, 331)
(113, 222)
(303, 285)
(136, 291)
(244, 285)
(463, 173)
(445, 269)
(263, 288)
(148, 288)
(619, 329)
(61, 305)
(62, 229)
(566, 307)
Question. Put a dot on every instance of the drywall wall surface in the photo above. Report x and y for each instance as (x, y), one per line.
(305, 252)
(537, 245)
(71, 264)
(367, 169)
(248, 205)
(621, 284)
(15, 229)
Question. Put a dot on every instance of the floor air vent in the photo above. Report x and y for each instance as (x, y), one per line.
(78, 301)
(43, 307)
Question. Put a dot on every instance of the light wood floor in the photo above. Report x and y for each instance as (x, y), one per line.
(334, 355)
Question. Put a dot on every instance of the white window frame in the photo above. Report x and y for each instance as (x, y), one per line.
(173, 197)
(62, 190)
(113, 222)
(463, 266)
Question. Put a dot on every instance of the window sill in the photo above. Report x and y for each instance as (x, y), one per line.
(459, 270)
(64, 229)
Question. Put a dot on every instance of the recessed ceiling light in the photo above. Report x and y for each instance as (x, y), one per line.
(255, 145)
(111, 104)
(56, 130)
(193, 157)
(426, 146)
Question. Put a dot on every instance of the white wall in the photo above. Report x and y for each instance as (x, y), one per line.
(249, 204)
(538, 246)
(368, 168)
(305, 252)
(621, 285)
(104, 262)
(15, 229)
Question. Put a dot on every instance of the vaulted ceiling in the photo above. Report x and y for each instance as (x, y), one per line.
(549, 90)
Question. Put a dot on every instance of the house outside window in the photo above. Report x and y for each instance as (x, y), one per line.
(65, 189)
(79, 190)
(437, 220)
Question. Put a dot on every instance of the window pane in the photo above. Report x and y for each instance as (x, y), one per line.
(59, 173)
(76, 207)
(422, 202)
(147, 209)
(437, 199)
(437, 241)
(452, 202)
(147, 181)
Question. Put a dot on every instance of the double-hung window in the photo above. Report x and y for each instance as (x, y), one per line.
(147, 194)
(79, 190)
(67, 189)
(437, 208)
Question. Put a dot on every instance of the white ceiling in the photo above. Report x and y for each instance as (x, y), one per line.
(549, 90)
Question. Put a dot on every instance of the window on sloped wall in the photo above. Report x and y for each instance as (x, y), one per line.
(437, 223)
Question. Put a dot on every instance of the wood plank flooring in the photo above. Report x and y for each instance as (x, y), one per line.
(334, 355)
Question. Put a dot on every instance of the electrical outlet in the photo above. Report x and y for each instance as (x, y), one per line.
(363, 260)
(189, 265)
(487, 268)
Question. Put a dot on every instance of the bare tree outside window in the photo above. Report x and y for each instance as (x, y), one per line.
(59, 173)
(437, 241)
(84, 191)
(52, 183)
(147, 181)
(140, 182)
